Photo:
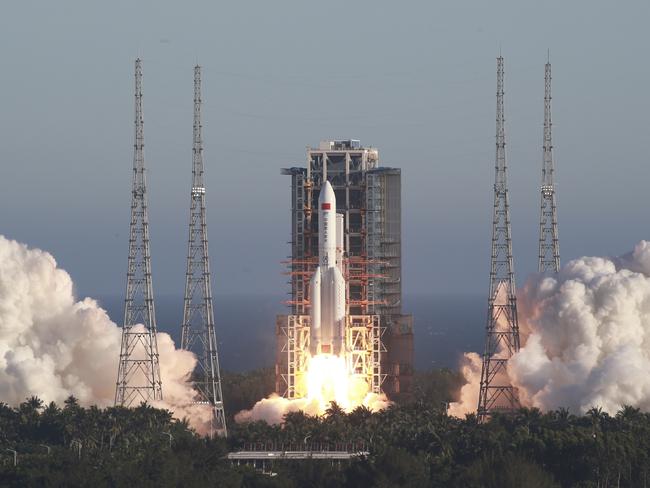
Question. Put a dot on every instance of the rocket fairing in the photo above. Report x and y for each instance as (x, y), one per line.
(327, 289)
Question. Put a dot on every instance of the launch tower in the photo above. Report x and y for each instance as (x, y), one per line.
(369, 202)
(138, 377)
(549, 246)
(502, 338)
(198, 332)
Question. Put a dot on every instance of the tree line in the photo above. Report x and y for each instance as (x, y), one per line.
(414, 443)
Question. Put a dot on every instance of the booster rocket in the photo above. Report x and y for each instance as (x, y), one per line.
(327, 288)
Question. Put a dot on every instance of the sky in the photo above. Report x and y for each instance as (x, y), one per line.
(414, 79)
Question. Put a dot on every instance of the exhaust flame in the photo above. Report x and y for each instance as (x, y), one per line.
(328, 380)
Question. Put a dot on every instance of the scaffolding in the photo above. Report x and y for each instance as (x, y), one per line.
(301, 266)
(296, 347)
(363, 338)
(383, 243)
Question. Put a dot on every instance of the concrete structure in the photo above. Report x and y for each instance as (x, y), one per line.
(369, 198)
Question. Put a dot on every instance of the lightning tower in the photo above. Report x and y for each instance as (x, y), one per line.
(502, 337)
(198, 333)
(138, 377)
(549, 246)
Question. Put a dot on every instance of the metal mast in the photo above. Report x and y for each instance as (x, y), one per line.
(138, 377)
(549, 246)
(502, 337)
(198, 333)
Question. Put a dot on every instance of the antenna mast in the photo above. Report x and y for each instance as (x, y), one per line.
(502, 334)
(549, 245)
(138, 377)
(198, 332)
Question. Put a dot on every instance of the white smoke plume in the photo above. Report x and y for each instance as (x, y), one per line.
(588, 335)
(468, 401)
(273, 409)
(585, 336)
(327, 380)
(53, 346)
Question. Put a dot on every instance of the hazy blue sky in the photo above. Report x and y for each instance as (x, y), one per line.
(415, 79)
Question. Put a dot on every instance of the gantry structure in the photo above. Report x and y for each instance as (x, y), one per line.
(549, 246)
(138, 377)
(502, 330)
(198, 331)
(379, 337)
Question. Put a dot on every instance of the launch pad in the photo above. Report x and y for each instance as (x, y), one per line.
(375, 335)
(330, 345)
(363, 341)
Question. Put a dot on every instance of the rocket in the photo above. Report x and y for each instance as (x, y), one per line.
(327, 288)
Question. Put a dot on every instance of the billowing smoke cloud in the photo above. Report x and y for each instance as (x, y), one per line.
(471, 369)
(53, 346)
(586, 336)
(274, 408)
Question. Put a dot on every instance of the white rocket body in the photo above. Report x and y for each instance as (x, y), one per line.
(327, 287)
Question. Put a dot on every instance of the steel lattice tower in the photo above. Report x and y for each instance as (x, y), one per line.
(138, 377)
(198, 332)
(502, 337)
(549, 246)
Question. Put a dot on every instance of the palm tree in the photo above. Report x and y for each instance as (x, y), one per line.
(33, 403)
(597, 417)
(628, 415)
(359, 416)
(71, 403)
(52, 427)
(334, 411)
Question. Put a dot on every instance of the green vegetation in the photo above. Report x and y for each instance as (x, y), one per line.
(242, 390)
(414, 444)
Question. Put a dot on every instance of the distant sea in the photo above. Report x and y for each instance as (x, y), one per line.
(445, 326)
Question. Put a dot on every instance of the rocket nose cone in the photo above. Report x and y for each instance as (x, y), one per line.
(327, 194)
